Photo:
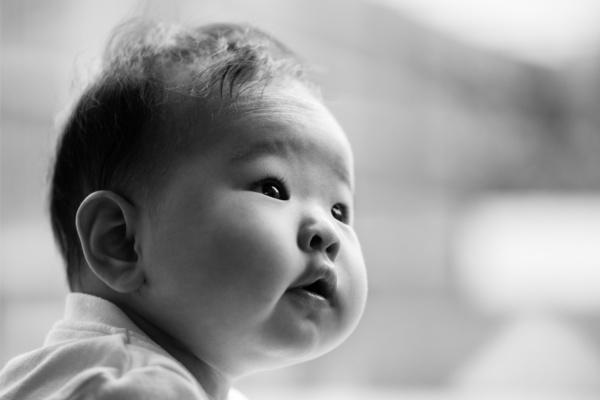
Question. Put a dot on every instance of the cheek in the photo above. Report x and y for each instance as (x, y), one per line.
(251, 251)
(354, 276)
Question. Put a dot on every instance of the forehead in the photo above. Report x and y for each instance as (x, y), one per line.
(287, 121)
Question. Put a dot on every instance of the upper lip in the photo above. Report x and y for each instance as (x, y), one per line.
(320, 279)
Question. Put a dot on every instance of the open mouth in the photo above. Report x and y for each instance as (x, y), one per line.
(319, 282)
(321, 288)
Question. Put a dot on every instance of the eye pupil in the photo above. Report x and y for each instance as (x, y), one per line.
(271, 191)
(337, 212)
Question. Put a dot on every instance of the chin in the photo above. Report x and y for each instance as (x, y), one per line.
(301, 348)
(291, 341)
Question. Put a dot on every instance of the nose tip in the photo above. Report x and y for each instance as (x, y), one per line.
(330, 247)
(321, 235)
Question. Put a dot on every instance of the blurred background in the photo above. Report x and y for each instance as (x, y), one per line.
(476, 130)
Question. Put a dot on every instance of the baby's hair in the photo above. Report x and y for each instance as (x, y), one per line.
(128, 128)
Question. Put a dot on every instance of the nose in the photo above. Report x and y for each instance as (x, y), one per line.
(320, 234)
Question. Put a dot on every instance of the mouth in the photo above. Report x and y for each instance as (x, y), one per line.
(320, 282)
(321, 288)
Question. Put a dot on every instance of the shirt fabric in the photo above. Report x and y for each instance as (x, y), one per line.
(96, 352)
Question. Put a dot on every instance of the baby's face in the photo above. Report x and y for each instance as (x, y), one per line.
(252, 261)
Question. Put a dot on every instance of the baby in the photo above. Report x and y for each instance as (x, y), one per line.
(202, 199)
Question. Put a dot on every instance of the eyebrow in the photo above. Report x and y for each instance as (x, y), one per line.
(278, 148)
(261, 148)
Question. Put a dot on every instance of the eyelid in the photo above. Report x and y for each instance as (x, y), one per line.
(346, 213)
(279, 181)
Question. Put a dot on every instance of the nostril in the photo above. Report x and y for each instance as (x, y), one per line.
(333, 250)
(316, 242)
(320, 235)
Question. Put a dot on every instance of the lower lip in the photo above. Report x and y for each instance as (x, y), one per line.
(308, 298)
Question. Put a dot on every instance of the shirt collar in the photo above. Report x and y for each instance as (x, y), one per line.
(83, 307)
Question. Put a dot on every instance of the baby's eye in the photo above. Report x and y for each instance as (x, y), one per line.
(274, 188)
(268, 189)
(340, 212)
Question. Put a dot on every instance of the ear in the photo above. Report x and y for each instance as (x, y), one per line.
(107, 224)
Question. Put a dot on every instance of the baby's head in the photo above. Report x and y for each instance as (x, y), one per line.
(201, 185)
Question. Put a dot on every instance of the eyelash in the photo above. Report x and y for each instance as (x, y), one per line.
(344, 217)
(279, 183)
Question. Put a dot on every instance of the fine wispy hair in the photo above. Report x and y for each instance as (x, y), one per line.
(131, 123)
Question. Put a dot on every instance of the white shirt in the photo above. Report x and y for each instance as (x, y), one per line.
(96, 352)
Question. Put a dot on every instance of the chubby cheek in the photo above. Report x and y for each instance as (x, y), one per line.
(251, 255)
(227, 250)
(353, 283)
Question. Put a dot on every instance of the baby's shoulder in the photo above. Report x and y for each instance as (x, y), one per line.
(109, 366)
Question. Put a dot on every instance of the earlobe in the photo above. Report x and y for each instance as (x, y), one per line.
(107, 228)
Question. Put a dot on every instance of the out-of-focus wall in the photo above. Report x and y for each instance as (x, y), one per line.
(434, 124)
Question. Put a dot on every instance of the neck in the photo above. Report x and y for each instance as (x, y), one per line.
(215, 384)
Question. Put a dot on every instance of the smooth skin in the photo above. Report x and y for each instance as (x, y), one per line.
(220, 273)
